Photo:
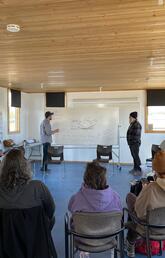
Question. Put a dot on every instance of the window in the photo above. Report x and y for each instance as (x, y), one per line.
(155, 119)
(13, 116)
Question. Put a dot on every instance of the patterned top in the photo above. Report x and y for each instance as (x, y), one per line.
(134, 133)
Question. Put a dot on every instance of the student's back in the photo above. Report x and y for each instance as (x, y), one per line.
(26, 211)
(95, 195)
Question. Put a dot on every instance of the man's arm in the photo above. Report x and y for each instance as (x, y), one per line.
(137, 129)
(48, 130)
(55, 131)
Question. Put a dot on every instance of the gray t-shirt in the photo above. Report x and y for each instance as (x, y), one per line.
(45, 131)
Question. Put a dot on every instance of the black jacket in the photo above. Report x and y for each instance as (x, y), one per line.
(134, 133)
(29, 195)
(26, 220)
(25, 233)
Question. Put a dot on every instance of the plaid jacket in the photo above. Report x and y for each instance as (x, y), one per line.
(134, 133)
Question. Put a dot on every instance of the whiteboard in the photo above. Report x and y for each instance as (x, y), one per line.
(86, 126)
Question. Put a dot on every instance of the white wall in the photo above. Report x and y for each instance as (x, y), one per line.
(36, 114)
(33, 108)
(127, 101)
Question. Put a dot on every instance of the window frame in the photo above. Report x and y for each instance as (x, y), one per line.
(146, 124)
(18, 130)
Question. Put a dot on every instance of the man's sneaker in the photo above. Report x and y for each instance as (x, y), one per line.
(48, 170)
(45, 170)
(130, 249)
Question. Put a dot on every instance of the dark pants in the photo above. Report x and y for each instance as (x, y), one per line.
(134, 148)
(45, 155)
(130, 200)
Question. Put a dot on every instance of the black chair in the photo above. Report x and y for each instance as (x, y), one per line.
(25, 233)
(152, 229)
(105, 151)
(56, 152)
(94, 233)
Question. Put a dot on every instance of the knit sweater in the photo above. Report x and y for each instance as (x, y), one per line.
(151, 197)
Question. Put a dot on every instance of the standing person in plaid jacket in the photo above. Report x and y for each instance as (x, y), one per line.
(134, 141)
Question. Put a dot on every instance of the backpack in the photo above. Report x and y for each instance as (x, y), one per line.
(141, 247)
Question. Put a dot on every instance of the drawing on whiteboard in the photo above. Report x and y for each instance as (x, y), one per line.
(83, 124)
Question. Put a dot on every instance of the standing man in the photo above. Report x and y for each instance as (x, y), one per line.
(46, 138)
(134, 141)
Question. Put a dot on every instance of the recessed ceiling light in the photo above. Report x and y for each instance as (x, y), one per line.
(56, 72)
(56, 83)
(101, 105)
(13, 28)
(57, 75)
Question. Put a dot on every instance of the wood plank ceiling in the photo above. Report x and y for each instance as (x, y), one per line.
(79, 45)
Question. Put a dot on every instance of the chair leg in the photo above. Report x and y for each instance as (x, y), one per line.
(71, 246)
(121, 244)
(115, 252)
(161, 248)
(148, 245)
(66, 242)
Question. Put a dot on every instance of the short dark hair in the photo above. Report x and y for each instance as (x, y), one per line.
(14, 170)
(95, 176)
(48, 113)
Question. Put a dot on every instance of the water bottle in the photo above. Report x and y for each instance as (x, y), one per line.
(84, 255)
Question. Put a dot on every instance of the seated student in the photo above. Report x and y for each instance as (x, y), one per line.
(19, 191)
(151, 197)
(95, 195)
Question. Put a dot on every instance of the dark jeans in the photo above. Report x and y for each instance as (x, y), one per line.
(134, 148)
(130, 200)
(45, 155)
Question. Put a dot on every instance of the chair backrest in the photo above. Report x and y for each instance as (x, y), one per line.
(97, 224)
(157, 217)
(56, 151)
(28, 231)
(104, 150)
